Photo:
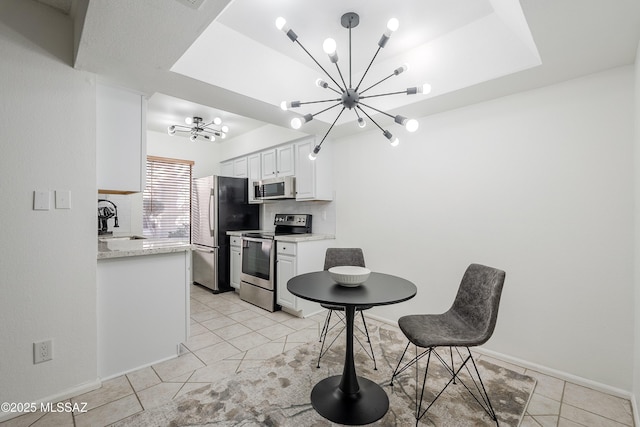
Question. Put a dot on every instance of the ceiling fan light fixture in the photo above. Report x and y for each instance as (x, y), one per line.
(199, 128)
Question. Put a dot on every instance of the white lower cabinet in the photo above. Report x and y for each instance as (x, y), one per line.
(236, 258)
(294, 259)
(142, 310)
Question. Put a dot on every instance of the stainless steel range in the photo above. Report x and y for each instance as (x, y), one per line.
(258, 275)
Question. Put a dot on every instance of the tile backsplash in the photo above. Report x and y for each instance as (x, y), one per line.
(323, 214)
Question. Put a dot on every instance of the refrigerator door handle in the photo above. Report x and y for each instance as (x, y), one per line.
(211, 201)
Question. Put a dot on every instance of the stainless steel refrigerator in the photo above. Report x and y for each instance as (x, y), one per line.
(218, 204)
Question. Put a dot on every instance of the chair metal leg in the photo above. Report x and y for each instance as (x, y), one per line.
(323, 334)
(480, 394)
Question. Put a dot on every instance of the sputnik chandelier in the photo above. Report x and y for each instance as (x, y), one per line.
(350, 97)
(199, 128)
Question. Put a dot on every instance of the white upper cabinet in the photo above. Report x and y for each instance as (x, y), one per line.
(234, 168)
(314, 178)
(278, 162)
(254, 171)
(121, 148)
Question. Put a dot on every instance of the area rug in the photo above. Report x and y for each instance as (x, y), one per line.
(277, 393)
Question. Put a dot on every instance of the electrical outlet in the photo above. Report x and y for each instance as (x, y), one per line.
(42, 351)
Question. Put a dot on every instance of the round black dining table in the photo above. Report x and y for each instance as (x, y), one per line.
(347, 398)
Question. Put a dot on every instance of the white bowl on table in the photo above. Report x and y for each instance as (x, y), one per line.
(349, 275)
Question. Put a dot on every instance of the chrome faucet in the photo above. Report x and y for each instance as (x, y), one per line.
(104, 214)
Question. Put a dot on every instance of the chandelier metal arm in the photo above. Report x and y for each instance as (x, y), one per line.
(375, 109)
(340, 74)
(376, 84)
(369, 66)
(385, 94)
(318, 64)
(324, 100)
(327, 109)
(332, 124)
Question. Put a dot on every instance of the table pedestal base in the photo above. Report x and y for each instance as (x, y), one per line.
(364, 407)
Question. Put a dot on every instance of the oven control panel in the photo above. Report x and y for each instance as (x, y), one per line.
(299, 220)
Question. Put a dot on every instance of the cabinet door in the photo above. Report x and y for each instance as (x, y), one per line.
(240, 167)
(306, 174)
(285, 270)
(268, 160)
(253, 166)
(226, 168)
(121, 150)
(285, 161)
(235, 267)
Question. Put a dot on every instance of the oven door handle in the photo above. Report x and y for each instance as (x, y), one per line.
(255, 239)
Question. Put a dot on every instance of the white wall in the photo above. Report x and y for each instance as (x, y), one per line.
(47, 258)
(205, 154)
(539, 184)
(636, 358)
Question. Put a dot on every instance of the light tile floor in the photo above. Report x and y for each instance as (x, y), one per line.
(228, 335)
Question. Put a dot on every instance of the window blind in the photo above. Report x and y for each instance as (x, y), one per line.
(166, 198)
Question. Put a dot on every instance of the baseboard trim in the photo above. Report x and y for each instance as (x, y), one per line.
(59, 397)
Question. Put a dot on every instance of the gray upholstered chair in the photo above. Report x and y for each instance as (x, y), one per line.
(468, 323)
(335, 257)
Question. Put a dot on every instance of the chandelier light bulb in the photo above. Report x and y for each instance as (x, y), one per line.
(401, 69)
(171, 130)
(314, 153)
(424, 89)
(329, 46)
(321, 83)
(392, 25)
(192, 138)
(393, 140)
(361, 122)
(225, 129)
(296, 123)
(281, 23)
(411, 125)
(188, 120)
(217, 121)
(283, 106)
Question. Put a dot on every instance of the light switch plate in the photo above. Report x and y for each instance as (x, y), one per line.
(63, 199)
(41, 200)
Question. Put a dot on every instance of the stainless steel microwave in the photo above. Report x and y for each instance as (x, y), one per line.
(275, 188)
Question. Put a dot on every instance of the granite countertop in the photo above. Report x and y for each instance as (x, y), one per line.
(119, 248)
(293, 238)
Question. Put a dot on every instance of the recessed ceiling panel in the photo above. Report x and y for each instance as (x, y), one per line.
(450, 44)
